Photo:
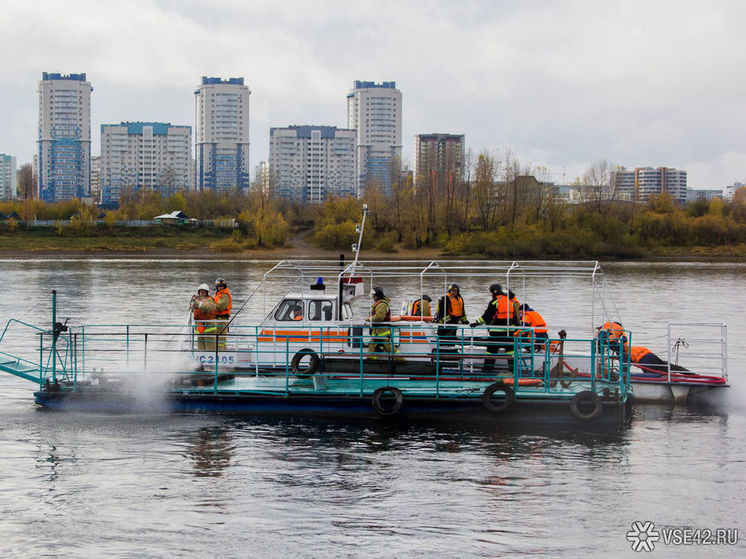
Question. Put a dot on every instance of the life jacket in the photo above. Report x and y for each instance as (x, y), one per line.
(219, 295)
(416, 309)
(387, 318)
(457, 305)
(536, 321)
(298, 317)
(614, 330)
(504, 309)
(637, 352)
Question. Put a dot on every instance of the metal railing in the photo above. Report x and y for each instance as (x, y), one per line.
(424, 359)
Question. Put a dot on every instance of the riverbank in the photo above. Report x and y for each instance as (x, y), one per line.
(291, 251)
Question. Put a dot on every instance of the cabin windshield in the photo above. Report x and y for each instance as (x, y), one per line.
(290, 310)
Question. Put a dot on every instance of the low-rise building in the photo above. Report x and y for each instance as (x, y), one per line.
(693, 195)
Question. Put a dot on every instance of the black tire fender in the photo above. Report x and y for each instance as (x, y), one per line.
(586, 406)
(313, 364)
(381, 397)
(491, 405)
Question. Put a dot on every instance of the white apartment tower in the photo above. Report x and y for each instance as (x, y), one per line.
(144, 156)
(374, 110)
(222, 135)
(8, 177)
(644, 182)
(64, 149)
(312, 163)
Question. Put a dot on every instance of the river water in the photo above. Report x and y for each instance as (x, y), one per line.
(75, 485)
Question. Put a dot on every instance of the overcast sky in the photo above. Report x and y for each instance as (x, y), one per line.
(562, 84)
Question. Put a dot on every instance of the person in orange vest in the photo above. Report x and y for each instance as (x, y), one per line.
(223, 306)
(297, 312)
(451, 309)
(614, 331)
(421, 307)
(649, 361)
(203, 315)
(535, 326)
(501, 314)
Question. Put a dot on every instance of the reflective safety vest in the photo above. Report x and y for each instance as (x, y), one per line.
(457, 306)
(218, 296)
(536, 321)
(387, 318)
(416, 308)
(637, 352)
(504, 308)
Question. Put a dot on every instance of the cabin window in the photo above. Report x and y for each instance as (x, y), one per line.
(320, 310)
(290, 310)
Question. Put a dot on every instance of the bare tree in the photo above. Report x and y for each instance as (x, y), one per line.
(597, 185)
(485, 190)
(26, 185)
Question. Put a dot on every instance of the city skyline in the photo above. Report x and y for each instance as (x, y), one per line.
(561, 84)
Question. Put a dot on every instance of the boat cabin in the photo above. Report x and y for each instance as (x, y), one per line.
(302, 309)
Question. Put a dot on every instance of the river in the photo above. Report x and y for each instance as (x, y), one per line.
(75, 485)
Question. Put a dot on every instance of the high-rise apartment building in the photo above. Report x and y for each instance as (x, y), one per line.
(144, 156)
(311, 163)
(96, 177)
(374, 110)
(8, 177)
(222, 135)
(644, 182)
(64, 136)
(439, 160)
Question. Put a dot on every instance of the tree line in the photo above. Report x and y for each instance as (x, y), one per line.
(496, 207)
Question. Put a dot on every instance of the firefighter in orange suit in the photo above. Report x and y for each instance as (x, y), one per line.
(536, 326)
(380, 315)
(649, 361)
(223, 306)
(203, 314)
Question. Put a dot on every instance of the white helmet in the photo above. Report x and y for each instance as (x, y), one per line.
(203, 286)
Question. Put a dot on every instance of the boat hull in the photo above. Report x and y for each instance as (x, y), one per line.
(524, 410)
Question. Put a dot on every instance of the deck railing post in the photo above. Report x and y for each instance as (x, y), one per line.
(217, 357)
(74, 364)
(362, 358)
(724, 350)
(287, 365)
(145, 353)
(82, 349)
(668, 349)
(593, 365)
(127, 345)
(54, 337)
(41, 359)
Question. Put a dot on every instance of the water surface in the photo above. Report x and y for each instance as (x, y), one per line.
(78, 485)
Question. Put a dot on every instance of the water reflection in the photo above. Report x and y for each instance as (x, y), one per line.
(211, 451)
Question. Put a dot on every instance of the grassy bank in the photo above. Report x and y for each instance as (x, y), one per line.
(116, 239)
